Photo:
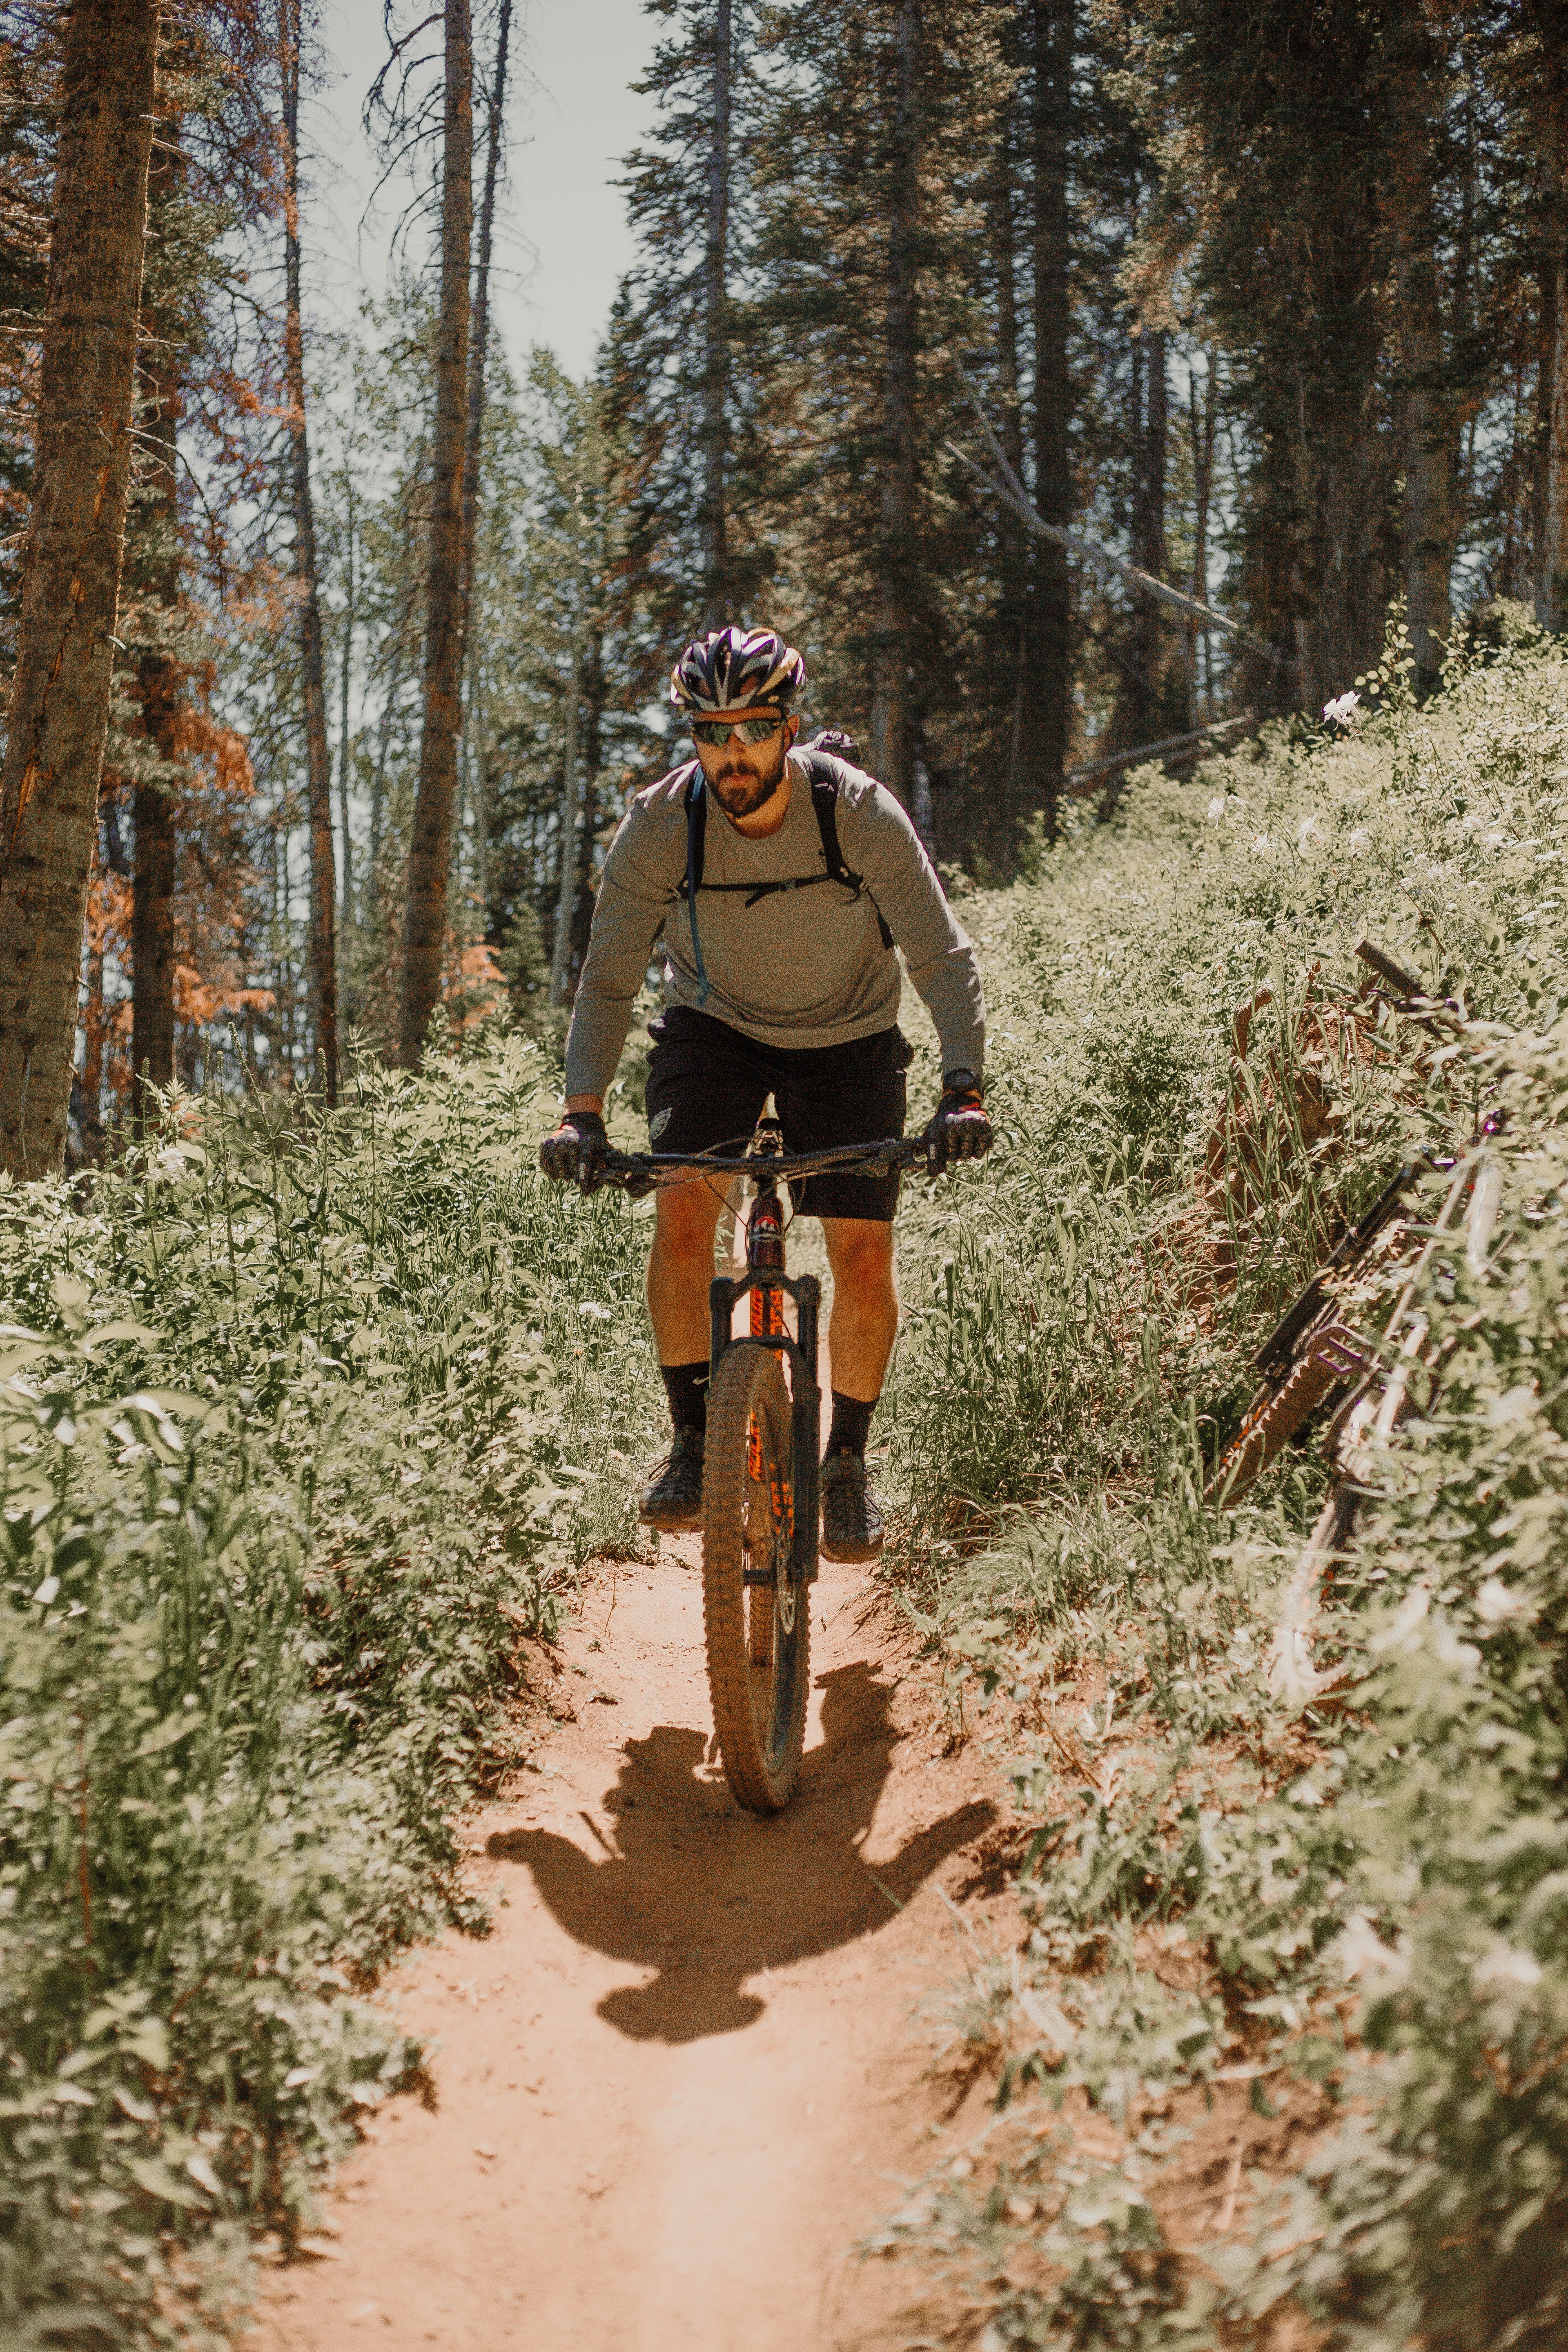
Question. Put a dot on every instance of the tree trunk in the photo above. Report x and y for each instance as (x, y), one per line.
(560, 950)
(152, 806)
(344, 746)
(1013, 565)
(92, 1063)
(155, 523)
(1048, 672)
(1427, 421)
(1428, 520)
(318, 757)
(715, 332)
(70, 584)
(429, 852)
(591, 758)
(1145, 712)
(475, 762)
(1552, 535)
(477, 721)
(1156, 558)
(1203, 446)
(152, 942)
(473, 429)
(891, 733)
(400, 634)
(1153, 646)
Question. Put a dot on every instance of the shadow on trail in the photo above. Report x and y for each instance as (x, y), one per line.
(707, 1896)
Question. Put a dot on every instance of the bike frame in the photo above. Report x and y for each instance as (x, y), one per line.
(768, 1285)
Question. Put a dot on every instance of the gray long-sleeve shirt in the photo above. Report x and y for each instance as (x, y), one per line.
(801, 968)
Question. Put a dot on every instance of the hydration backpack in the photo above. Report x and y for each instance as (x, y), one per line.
(824, 807)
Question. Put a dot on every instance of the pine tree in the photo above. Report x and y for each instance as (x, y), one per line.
(677, 368)
(1419, 171)
(1049, 633)
(29, 74)
(59, 709)
(1131, 677)
(425, 917)
(473, 427)
(1289, 124)
(155, 566)
(1536, 76)
(872, 272)
(307, 578)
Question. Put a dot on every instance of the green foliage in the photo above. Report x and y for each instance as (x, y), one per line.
(302, 1423)
(1369, 1904)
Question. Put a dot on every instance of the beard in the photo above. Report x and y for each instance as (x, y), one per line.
(741, 790)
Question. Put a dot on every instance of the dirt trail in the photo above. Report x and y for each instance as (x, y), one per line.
(687, 2070)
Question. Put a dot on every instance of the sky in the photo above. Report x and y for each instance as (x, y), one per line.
(561, 237)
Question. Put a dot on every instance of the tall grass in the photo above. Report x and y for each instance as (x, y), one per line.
(303, 1422)
(1363, 1907)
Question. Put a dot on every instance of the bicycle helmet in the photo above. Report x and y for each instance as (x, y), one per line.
(731, 669)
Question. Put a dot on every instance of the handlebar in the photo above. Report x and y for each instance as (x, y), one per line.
(641, 1172)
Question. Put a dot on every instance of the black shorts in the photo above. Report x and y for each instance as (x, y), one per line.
(707, 1084)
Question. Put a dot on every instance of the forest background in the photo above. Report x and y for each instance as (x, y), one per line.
(1269, 304)
(308, 1412)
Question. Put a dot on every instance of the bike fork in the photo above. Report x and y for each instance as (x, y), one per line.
(769, 1286)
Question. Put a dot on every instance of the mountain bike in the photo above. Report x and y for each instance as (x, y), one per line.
(761, 1461)
(1311, 1354)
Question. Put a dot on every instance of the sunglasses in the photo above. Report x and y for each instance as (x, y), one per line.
(716, 732)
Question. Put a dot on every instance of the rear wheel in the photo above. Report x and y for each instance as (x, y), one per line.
(758, 1632)
(1268, 1427)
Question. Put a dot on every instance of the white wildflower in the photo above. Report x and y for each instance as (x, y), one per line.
(1339, 712)
(1362, 1952)
(1360, 841)
(1216, 808)
(1505, 1965)
(1402, 1630)
(1496, 1603)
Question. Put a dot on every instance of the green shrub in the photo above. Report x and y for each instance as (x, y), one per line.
(1090, 1344)
(302, 1423)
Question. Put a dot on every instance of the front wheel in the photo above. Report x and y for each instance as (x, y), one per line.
(758, 1620)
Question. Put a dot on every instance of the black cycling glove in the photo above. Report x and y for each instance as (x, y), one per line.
(577, 1152)
(961, 1130)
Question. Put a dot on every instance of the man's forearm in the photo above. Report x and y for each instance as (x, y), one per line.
(595, 1040)
(951, 990)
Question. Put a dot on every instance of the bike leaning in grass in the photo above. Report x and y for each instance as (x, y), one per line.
(779, 881)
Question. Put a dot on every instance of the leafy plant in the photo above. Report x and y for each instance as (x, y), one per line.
(1359, 1914)
(297, 1427)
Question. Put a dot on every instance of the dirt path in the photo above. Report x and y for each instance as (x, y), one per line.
(687, 2070)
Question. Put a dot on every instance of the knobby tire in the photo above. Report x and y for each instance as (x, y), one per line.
(1266, 1429)
(759, 1635)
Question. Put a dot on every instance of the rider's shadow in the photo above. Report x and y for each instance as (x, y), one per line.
(708, 1898)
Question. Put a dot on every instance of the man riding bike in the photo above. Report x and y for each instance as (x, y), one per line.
(773, 986)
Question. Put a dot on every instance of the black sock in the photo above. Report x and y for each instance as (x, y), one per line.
(686, 1385)
(851, 1425)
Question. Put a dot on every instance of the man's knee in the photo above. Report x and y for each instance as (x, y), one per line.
(860, 1252)
(685, 1218)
